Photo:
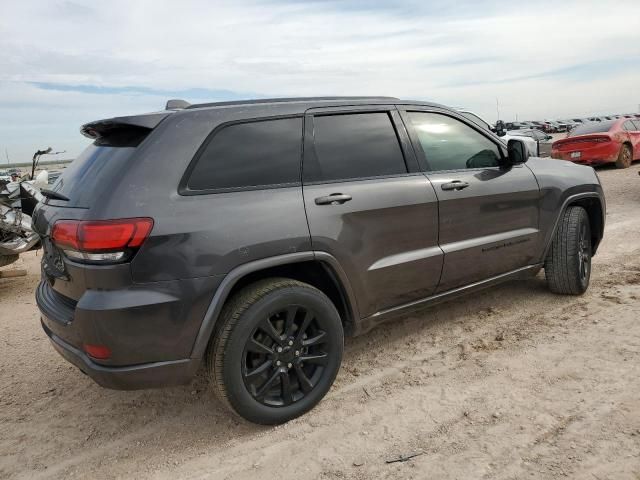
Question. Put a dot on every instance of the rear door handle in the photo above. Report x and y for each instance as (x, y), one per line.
(455, 185)
(333, 199)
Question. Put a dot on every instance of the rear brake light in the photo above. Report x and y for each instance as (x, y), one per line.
(101, 241)
(568, 142)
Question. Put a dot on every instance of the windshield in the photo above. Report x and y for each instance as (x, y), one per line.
(593, 127)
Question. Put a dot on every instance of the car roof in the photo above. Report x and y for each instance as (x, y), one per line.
(304, 103)
(253, 108)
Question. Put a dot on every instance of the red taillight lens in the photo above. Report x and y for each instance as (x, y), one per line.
(99, 352)
(65, 233)
(100, 236)
(570, 143)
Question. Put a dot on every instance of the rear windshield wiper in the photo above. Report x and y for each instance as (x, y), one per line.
(53, 195)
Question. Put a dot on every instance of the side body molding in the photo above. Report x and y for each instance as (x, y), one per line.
(219, 298)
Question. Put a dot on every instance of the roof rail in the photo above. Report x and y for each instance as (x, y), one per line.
(283, 100)
(176, 104)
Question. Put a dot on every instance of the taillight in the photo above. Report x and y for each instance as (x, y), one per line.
(101, 241)
(570, 142)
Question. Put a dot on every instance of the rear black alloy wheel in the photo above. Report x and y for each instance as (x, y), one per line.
(285, 356)
(276, 351)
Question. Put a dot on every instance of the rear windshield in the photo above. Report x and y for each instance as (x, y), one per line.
(592, 127)
(91, 173)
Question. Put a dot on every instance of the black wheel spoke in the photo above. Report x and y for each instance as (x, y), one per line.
(320, 338)
(306, 321)
(258, 347)
(305, 384)
(262, 391)
(267, 327)
(258, 370)
(315, 358)
(287, 356)
(289, 321)
(287, 394)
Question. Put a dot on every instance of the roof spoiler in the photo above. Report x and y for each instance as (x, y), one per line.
(176, 104)
(101, 128)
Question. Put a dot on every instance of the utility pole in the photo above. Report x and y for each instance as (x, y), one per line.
(6, 154)
(498, 108)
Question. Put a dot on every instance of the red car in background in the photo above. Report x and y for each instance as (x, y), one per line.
(597, 143)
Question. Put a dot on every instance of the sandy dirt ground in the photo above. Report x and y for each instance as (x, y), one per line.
(510, 383)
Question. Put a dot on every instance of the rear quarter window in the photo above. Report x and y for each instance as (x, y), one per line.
(249, 155)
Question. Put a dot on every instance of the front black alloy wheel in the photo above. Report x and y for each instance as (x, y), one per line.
(568, 263)
(277, 350)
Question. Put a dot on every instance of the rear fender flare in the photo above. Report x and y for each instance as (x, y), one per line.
(222, 293)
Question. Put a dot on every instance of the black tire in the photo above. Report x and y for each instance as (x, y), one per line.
(568, 263)
(625, 157)
(248, 373)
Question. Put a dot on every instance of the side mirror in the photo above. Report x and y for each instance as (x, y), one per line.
(517, 151)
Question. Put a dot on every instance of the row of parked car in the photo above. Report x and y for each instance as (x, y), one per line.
(559, 126)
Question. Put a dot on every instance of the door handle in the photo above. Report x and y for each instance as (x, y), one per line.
(455, 185)
(333, 199)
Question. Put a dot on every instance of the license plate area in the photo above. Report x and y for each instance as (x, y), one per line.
(576, 154)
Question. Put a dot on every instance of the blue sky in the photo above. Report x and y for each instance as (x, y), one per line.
(64, 63)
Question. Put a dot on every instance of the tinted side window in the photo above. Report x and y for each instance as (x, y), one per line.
(449, 144)
(354, 146)
(250, 154)
(637, 125)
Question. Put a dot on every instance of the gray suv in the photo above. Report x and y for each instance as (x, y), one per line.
(251, 237)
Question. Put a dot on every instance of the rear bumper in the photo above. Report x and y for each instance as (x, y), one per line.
(149, 329)
(148, 375)
(590, 156)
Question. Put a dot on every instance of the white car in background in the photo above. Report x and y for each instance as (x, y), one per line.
(531, 144)
(544, 140)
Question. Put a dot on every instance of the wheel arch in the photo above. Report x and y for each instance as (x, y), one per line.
(595, 208)
(318, 269)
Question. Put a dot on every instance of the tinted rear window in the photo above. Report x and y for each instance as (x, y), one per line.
(263, 153)
(592, 127)
(90, 174)
(354, 146)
